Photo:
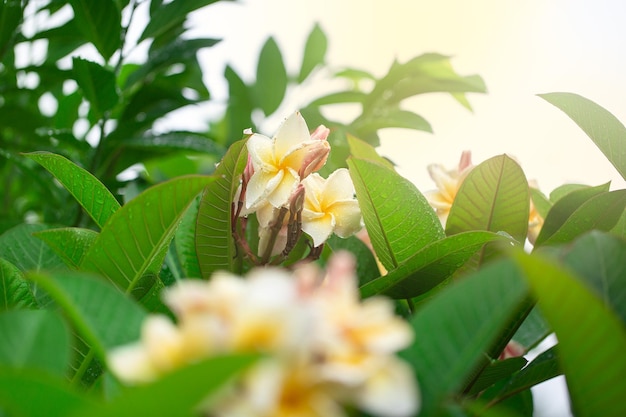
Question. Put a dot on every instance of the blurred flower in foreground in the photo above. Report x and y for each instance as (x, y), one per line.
(330, 207)
(324, 348)
(448, 183)
(280, 163)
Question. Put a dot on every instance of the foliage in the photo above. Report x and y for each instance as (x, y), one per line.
(85, 252)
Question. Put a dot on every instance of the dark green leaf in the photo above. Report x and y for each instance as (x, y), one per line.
(35, 339)
(366, 265)
(139, 233)
(542, 368)
(98, 85)
(70, 243)
(592, 338)
(185, 241)
(533, 330)
(397, 216)
(271, 78)
(95, 198)
(240, 106)
(430, 266)
(600, 212)
(453, 331)
(494, 196)
(314, 52)
(497, 371)
(102, 315)
(25, 251)
(61, 40)
(10, 19)
(565, 204)
(604, 129)
(214, 242)
(199, 380)
(174, 141)
(598, 259)
(168, 16)
(14, 291)
(100, 23)
(37, 394)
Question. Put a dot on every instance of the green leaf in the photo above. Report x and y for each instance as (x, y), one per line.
(271, 78)
(139, 233)
(35, 394)
(340, 97)
(175, 141)
(214, 243)
(70, 243)
(10, 19)
(397, 216)
(14, 290)
(103, 316)
(544, 367)
(430, 266)
(185, 241)
(598, 259)
(600, 212)
(366, 265)
(314, 52)
(100, 23)
(392, 118)
(97, 83)
(180, 51)
(494, 196)
(170, 15)
(36, 339)
(604, 129)
(533, 330)
(25, 251)
(565, 204)
(497, 371)
(363, 150)
(455, 329)
(240, 106)
(90, 193)
(179, 393)
(592, 339)
(563, 190)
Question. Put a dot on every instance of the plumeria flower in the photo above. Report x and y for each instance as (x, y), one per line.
(448, 183)
(280, 163)
(330, 207)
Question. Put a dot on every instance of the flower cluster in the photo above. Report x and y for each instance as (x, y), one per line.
(324, 347)
(281, 186)
(449, 182)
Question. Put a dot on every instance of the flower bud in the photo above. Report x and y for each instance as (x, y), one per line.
(315, 158)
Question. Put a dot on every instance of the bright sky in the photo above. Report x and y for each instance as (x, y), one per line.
(520, 48)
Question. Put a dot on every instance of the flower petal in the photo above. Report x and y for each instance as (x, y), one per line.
(261, 151)
(339, 186)
(281, 191)
(347, 216)
(261, 184)
(291, 134)
(319, 229)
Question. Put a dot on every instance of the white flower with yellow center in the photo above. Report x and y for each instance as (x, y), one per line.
(280, 163)
(330, 207)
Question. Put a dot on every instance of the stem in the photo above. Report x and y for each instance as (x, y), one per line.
(80, 372)
(275, 227)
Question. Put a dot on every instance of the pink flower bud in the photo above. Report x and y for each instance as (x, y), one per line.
(315, 158)
(320, 133)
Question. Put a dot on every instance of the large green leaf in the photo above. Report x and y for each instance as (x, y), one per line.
(139, 233)
(397, 216)
(600, 212)
(495, 197)
(430, 266)
(455, 329)
(14, 290)
(606, 131)
(566, 202)
(97, 83)
(598, 259)
(214, 242)
(314, 52)
(70, 243)
(102, 315)
(592, 338)
(100, 23)
(185, 241)
(176, 394)
(34, 339)
(170, 15)
(271, 78)
(95, 198)
(533, 330)
(25, 251)
(35, 394)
